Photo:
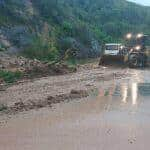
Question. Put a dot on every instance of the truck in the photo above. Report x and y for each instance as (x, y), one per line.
(135, 51)
(112, 52)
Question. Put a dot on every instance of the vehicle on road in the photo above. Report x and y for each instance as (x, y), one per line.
(138, 52)
(134, 53)
(112, 52)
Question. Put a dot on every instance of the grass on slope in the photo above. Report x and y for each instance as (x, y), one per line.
(10, 77)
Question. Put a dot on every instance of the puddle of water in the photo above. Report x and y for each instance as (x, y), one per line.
(125, 91)
(144, 89)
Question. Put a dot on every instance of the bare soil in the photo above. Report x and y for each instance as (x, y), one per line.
(42, 92)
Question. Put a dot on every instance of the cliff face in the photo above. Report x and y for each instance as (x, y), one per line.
(60, 25)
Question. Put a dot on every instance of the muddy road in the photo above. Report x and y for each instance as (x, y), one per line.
(115, 115)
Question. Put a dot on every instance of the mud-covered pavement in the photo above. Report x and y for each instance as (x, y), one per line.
(40, 89)
(114, 116)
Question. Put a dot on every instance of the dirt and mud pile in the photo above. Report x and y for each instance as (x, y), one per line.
(13, 63)
(31, 67)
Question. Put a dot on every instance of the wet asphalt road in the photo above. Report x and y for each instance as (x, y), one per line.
(116, 117)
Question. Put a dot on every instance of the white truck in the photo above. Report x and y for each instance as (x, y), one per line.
(112, 52)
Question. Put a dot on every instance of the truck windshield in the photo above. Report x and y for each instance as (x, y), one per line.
(112, 47)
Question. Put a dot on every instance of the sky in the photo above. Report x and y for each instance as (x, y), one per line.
(143, 2)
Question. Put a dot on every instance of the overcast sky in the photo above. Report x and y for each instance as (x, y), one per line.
(143, 2)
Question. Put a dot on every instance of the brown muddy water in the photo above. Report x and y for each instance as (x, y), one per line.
(116, 117)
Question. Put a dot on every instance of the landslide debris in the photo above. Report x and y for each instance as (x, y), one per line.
(31, 68)
(30, 105)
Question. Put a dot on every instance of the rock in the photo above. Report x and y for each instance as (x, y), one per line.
(1, 81)
(19, 106)
(1, 67)
(78, 93)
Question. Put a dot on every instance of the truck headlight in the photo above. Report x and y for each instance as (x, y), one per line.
(129, 36)
(138, 47)
(140, 35)
(121, 47)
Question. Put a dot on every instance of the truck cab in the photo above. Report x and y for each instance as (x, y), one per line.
(112, 52)
(113, 49)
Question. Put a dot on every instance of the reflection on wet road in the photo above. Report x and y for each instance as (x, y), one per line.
(112, 118)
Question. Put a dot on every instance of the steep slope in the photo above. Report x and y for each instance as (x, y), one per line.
(50, 29)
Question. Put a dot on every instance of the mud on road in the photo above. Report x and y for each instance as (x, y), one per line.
(93, 109)
(42, 92)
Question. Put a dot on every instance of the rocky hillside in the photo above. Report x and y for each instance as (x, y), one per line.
(62, 29)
